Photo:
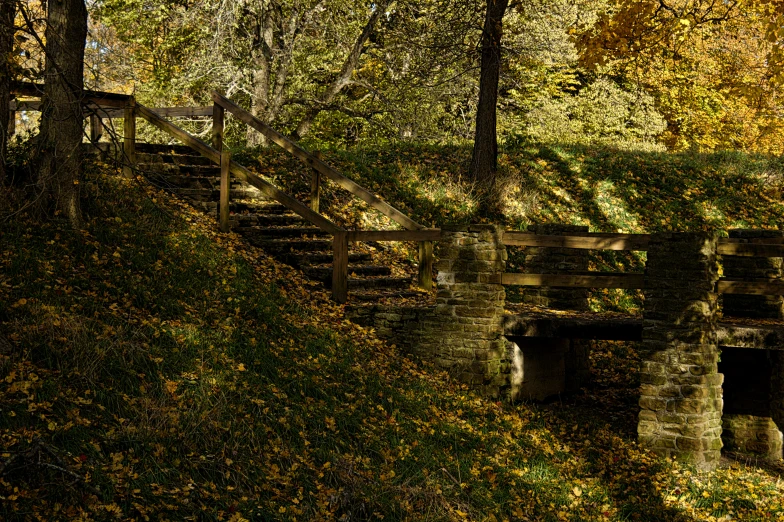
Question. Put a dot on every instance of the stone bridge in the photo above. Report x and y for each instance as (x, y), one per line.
(707, 380)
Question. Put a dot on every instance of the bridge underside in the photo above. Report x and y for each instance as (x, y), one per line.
(552, 351)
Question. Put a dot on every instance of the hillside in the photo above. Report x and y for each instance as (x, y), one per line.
(160, 370)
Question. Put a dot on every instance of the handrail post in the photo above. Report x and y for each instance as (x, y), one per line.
(218, 124)
(96, 128)
(425, 265)
(129, 138)
(223, 203)
(340, 266)
(315, 185)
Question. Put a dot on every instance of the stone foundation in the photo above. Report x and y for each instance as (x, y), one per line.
(680, 393)
(464, 333)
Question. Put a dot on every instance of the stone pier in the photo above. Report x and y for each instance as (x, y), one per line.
(470, 307)
(680, 393)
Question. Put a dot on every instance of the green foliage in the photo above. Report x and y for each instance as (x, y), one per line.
(601, 113)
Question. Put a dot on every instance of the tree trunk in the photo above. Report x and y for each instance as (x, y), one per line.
(7, 11)
(60, 138)
(344, 78)
(484, 161)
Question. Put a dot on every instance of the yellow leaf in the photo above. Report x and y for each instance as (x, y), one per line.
(577, 491)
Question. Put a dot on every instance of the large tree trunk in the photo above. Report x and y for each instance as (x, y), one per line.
(261, 57)
(484, 161)
(60, 138)
(7, 10)
(344, 77)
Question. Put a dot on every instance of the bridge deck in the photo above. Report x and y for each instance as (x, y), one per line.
(526, 321)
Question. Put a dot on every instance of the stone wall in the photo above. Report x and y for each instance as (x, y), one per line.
(680, 393)
(549, 260)
(464, 333)
(764, 306)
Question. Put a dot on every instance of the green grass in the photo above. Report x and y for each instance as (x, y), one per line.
(605, 189)
(162, 370)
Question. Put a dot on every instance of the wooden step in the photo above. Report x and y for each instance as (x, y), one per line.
(249, 220)
(356, 283)
(309, 259)
(207, 194)
(172, 159)
(324, 273)
(281, 232)
(158, 148)
(374, 297)
(283, 246)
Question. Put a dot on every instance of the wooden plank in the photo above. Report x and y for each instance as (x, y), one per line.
(96, 128)
(340, 267)
(223, 203)
(239, 171)
(593, 242)
(754, 240)
(751, 249)
(425, 277)
(218, 124)
(754, 287)
(627, 281)
(129, 139)
(425, 234)
(168, 112)
(106, 99)
(25, 105)
(315, 186)
(298, 152)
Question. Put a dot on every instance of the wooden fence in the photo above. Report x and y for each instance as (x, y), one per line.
(99, 105)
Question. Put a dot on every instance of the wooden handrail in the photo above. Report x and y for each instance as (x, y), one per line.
(592, 241)
(300, 153)
(424, 234)
(239, 171)
(105, 99)
(752, 287)
(750, 249)
(598, 280)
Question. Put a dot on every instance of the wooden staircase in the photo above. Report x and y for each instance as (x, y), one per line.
(293, 231)
(267, 224)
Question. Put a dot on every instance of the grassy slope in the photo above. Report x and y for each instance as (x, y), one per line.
(605, 189)
(162, 370)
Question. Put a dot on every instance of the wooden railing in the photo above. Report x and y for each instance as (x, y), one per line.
(101, 105)
(759, 247)
(586, 241)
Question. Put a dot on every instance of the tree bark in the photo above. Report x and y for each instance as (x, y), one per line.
(344, 77)
(7, 11)
(60, 163)
(484, 161)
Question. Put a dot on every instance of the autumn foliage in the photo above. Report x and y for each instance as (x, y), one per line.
(160, 370)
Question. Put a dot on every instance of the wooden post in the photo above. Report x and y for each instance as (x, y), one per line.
(218, 117)
(315, 186)
(129, 138)
(340, 267)
(11, 125)
(426, 264)
(96, 128)
(223, 204)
